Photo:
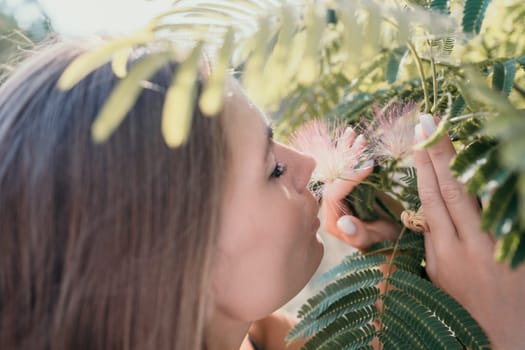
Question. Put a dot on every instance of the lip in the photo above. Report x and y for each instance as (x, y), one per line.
(316, 224)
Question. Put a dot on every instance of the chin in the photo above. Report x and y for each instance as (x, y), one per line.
(317, 253)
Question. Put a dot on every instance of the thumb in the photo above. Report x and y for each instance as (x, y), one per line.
(350, 230)
(361, 235)
(338, 189)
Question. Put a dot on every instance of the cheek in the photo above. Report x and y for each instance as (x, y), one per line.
(266, 255)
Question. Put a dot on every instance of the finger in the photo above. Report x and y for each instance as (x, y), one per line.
(463, 208)
(382, 230)
(339, 189)
(348, 137)
(436, 213)
(348, 229)
(357, 233)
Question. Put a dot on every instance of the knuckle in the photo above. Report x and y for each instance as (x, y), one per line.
(440, 152)
(451, 192)
(428, 197)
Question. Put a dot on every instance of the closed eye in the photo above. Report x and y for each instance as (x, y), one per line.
(278, 170)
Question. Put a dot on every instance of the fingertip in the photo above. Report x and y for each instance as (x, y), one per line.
(351, 231)
(428, 124)
(419, 135)
(347, 137)
(349, 131)
(359, 142)
(337, 190)
(366, 167)
(363, 171)
(346, 225)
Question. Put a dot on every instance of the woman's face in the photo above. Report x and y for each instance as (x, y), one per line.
(268, 244)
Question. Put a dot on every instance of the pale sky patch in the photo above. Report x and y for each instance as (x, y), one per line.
(101, 17)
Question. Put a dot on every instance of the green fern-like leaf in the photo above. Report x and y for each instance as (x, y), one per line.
(361, 202)
(352, 263)
(412, 242)
(511, 247)
(489, 175)
(381, 247)
(445, 308)
(409, 192)
(409, 176)
(395, 324)
(440, 5)
(332, 292)
(432, 332)
(502, 208)
(349, 339)
(521, 62)
(350, 110)
(391, 340)
(416, 314)
(469, 160)
(468, 130)
(354, 305)
(409, 263)
(458, 107)
(503, 76)
(486, 170)
(394, 63)
(473, 15)
(518, 256)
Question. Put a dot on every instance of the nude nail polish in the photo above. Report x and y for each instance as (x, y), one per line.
(418, 133)
(365, 165)
(345, 225)
(428, 124)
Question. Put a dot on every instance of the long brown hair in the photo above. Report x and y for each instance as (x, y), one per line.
(102, 246)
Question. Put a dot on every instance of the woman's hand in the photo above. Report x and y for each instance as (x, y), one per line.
(460, 257)
(337, 219)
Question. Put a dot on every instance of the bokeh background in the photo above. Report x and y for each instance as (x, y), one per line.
(26, 23)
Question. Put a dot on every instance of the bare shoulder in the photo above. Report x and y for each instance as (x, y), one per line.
(270, 332)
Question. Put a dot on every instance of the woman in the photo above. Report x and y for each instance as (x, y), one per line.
(132, 245)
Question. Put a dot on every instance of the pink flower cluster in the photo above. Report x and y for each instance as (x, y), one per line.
(336, 149)
(391, 133)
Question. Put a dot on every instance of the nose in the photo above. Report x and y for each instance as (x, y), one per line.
(306, 165)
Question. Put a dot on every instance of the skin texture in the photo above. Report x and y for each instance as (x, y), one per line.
(268, 244)
(460, 256)
(268, 247)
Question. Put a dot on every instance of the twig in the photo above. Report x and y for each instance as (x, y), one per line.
(434, 80)
(388, 273)
(518, 89)
(421, 74)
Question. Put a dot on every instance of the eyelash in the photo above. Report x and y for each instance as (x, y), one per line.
(280, 169)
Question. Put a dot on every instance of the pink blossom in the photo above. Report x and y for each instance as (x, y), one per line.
(391, 133)
(335, 149)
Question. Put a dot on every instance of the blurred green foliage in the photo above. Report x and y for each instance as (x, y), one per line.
(13, 38)
(342, 61)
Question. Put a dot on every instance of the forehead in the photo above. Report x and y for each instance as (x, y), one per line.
(243, 118)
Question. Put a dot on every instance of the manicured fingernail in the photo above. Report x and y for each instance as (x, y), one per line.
(365, 165)
(427, 123)
(359, 141)
(345, 225)
(348, 131)
(418, 133)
